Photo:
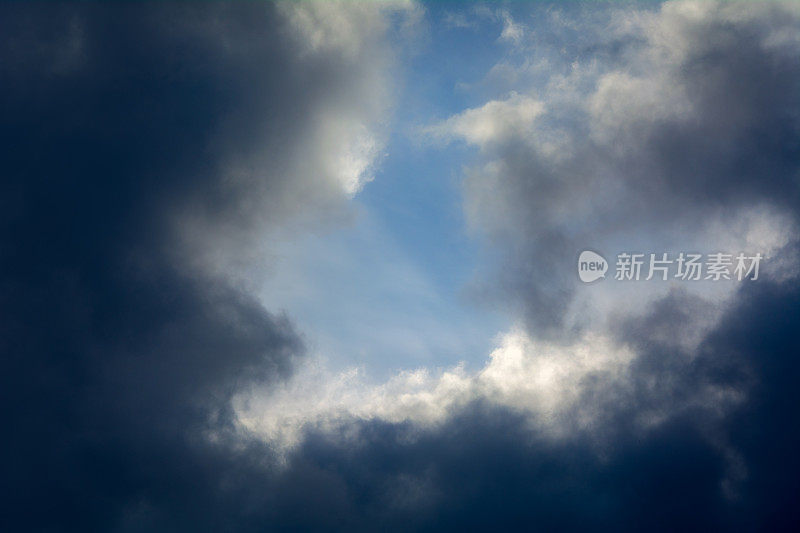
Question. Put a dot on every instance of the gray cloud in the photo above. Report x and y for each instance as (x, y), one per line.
(690, 123)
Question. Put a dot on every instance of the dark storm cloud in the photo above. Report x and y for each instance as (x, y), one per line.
(738, 141)
(482, 472)
(118, 365)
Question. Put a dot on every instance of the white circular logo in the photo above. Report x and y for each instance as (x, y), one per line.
(591, 266)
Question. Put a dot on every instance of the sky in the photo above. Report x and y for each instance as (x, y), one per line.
(316, 265)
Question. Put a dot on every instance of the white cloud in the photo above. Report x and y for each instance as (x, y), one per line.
(302, 164)
(512, 30)
(347, 27)
(623, 102)
(543, 380)
(349, 151)
(561, 389)
(351, 130)
(496, 121)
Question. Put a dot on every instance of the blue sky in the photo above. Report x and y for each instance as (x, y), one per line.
(395, 288)
(400, 285)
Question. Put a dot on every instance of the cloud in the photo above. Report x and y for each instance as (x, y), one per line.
(687, 438)
(492, 123)
(512, 30)
(685, 126)
(628, 407)
(295, 169)
(545, 381)
(146, 147)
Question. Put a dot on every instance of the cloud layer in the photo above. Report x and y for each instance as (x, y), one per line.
(679, 131)
(151, 153)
